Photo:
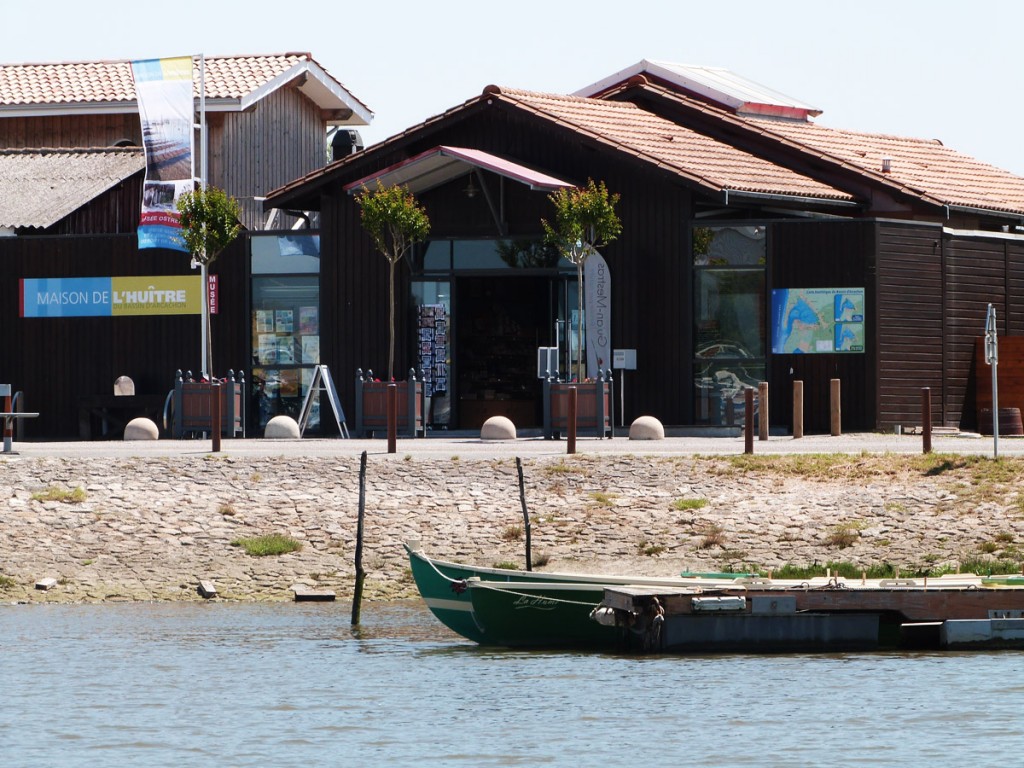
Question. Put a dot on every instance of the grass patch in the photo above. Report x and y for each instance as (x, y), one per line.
(645, 548)
(512, 533)
(265, 546)
(604, 499)
(541, 560)
(53, 493)
(506, 565)
(255, 477)
(6, 582)
(844, 535)
(561, 468)
(845, 569)
(712, 536)
(227, 510)
(683, 504)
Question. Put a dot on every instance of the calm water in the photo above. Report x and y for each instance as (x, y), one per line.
(289, 685)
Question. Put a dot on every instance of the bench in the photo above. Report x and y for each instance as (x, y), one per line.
(9, 416)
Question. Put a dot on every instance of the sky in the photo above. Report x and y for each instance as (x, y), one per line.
(934, 69)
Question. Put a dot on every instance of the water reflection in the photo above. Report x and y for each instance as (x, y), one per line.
(297, 685)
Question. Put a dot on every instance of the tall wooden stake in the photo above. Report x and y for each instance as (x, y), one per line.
(357, 594)
(526, 513)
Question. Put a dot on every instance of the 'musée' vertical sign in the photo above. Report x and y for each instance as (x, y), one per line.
(597, 288)
(163, 88)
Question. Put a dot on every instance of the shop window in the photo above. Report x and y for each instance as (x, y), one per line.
(728, 319)
(285, 325)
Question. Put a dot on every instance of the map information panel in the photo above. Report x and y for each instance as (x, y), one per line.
(817, 320)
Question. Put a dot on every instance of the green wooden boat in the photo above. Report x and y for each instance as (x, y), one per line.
(444, 588)
(542, 615)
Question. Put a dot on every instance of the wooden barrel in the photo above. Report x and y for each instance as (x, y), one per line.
(1009, 421)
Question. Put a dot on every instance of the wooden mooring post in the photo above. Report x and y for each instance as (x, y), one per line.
(748, 420)
(798, 409)
(926, 419)
(526, 513)
(570, 422)
(835, 405)
(357, 593)
(762, 411)
(392, 409)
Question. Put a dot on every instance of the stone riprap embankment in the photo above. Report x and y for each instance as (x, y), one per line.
(151, 528)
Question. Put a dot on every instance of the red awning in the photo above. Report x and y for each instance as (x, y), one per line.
(442, 164)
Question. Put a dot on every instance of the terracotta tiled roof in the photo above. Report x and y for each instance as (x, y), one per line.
(705, 160)
(923, 165)
(111, 82)
(39, 187)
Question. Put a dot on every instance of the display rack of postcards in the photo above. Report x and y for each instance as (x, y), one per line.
(433, 355)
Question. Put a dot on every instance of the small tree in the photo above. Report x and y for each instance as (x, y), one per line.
(395, 223)
(209, 223)
(585, 220)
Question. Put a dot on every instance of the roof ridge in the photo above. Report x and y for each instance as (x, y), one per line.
(89, 62)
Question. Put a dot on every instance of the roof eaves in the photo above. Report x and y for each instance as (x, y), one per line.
(278, 198)
(745, 124)
(325, 91)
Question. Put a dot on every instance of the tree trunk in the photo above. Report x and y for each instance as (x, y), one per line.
(391, 320)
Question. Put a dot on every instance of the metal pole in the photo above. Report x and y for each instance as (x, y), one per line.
(798, 410)
(992, 358)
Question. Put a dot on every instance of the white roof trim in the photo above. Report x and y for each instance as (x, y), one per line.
(715, 83)
(319, 87)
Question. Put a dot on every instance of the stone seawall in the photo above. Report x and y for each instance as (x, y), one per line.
(152, 528)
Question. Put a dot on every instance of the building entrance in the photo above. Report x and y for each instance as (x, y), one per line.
(499, 324)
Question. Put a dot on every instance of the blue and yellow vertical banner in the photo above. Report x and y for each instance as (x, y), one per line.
(163, 88)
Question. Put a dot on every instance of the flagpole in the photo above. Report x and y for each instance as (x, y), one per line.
(203, 277)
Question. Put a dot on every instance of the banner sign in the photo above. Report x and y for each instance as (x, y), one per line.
(817, 320)
(163, 88)
(597, 304)
(111, 296)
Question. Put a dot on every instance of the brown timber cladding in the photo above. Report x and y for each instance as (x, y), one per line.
(56, 362)
(909, 334)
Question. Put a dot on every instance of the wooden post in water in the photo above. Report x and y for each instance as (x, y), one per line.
(762, 411)
(215, 415)
(748, 420)
(798, 409)
(357, 593)
(526, 513)
(570, 423)
(835, 402)
(926, 419)
(392, 408)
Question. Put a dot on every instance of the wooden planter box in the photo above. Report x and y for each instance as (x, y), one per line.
(594, 407)
(192, 403)
(372, 406)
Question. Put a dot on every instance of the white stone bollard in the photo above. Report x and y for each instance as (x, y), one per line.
(646, 428)
(141, 429)
(498, 428)
(282, 428)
